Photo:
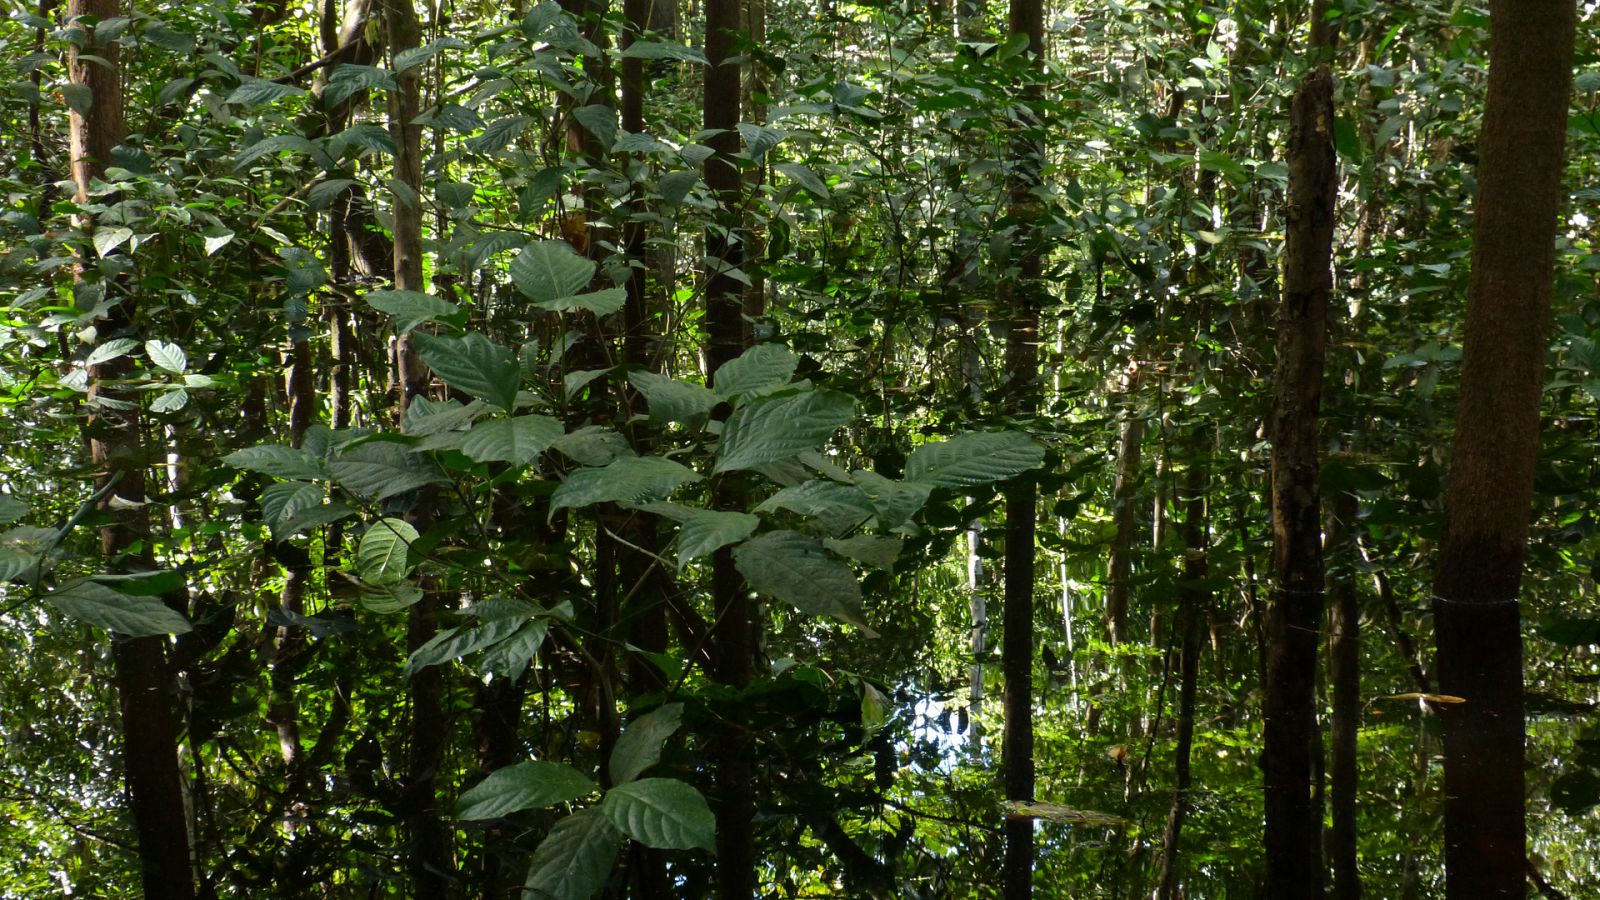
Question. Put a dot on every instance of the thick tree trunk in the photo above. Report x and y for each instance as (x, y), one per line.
(1021, 496)
(1294, 614)
(1344, 673)
(117, 450)
(1490, 489)
(1194, 603)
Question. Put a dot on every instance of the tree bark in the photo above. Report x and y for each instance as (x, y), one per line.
(117, 450)
(1344, 674)
(1021, 496)
(1194, 602)
(1124, 517)
(1490, 487)
(429, 859)
(1293, 816)
(737, 634)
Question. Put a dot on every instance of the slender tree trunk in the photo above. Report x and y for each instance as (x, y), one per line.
(1021, 496)
(1490, 489)
(1344, 673)
(1194, 602)
(978, 610)
(738, 628)
(1124, 517)
(1294, 818)
(429, 859)
(117, 450)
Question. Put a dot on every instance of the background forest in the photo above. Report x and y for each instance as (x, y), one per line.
(799, 448)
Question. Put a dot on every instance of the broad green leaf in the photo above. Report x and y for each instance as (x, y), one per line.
(416, 56)
(839, 507)
(11, 509)
(454, 643)
(100, 605)
(762, 366)
(574, 859)
(806, 178)
(771, 429)
(167, 356)
(658, 50)
(873, 706)
(895, 501)
(111, 350)
(601, 303)
(705, 531)
(411, 308)
(675, 187)
(313, 517)
(512, 656)
(639, 746)
(497, 134)
(382, 555)
(281, 501)
(215, 239)
(276, 144)
(170, 400)
(876, 550)
(253, 91)
(573, 383)
(663, 813)
(390, 597)
(519, 440)
(594, 445)
(600, 121)
(794, 568)
(278, 461)
(379, 470)
(17, 564)
(348, 79)
(425, 416)
(974, 458)
(108, 238)
(550, 270)
(672, 400)
(322, 196)
(474, 364)
(79, 97)
(369, 136)
(632, 479)
(528, 785)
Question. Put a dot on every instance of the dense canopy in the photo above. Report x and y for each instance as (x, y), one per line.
(800, 448)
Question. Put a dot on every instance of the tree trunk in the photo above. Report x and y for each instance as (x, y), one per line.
(1344, 673)
(1490, 489)
(1294, 613)
(737, 631)
(117, 450)
(1124, 517)
(429, 860)
(1021, 496)
(1194, 601)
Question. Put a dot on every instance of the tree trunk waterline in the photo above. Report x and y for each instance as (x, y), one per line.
(118, 452)
(1489, 493)
(1293, 815)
